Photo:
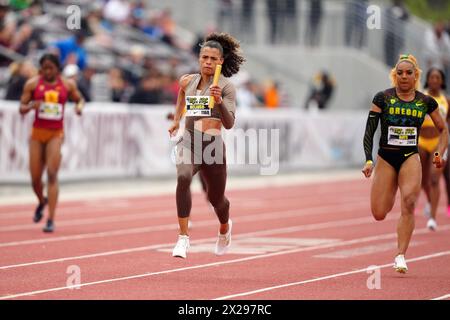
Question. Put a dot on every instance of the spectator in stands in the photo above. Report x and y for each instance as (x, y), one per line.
(26, 38)
(7, 24)
(137, 14)
(322, 88)
(98, 27)
(7, 29)
(20, 4)
(133, 66)
(200, 38)
(117, 85)
(225, 15)
(170, 88)
(246, 97)
(151, 26)
(149, 91)
(355, 23)
(247, 22)
(290, 21)
(437, 48)
(273, 13)
(85, 81)
(195, 50)
(71, 50)
(71, 71)
(167, 25)
(395, 18)
(20, 73)
(117, 11)
(313, 28)
(272, 95)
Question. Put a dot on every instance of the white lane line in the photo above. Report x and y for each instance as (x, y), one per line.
(360, 251)
(133, 188)
(145, 214)
(150, 205)
(79, 222)
(315, 226)
(270, 215)
(83, 207)
(336, 275)
(226, 262)
(447, 296)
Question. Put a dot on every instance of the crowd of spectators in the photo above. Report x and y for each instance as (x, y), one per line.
(139, 76)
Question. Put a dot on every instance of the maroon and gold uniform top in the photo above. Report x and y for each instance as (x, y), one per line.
(53, 97)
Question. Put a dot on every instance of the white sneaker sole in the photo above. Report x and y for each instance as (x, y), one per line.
(179, 255)
(432, 227)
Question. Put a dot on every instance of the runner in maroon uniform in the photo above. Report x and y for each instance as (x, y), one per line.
(47, 95)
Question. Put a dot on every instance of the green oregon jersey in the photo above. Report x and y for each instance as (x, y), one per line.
(401, 120)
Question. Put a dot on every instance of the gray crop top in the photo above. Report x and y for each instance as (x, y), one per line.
(228, 98)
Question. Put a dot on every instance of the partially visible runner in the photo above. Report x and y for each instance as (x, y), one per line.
(201, 147)
(401, 110)
(47, 94)
(428, 143)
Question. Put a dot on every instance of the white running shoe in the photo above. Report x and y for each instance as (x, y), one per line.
(181, 247)
(224, 241)
(431, 224)
(400, 264)
(427, 210)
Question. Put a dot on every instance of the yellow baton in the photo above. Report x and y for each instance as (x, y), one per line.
(215, 82)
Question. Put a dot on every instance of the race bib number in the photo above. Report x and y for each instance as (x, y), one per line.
(402, 136)
(50, 111)
(197, 106)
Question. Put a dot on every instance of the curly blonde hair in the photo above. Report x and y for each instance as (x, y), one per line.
(412, 60)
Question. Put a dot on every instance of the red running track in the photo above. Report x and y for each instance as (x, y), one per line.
(313, 241)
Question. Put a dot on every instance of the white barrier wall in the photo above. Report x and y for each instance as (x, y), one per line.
(133, 141)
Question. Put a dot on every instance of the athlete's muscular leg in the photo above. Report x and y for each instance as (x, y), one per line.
(186, 169)
(37, 164)
(409, 181)
(435, 192)
(216, 178)
(203, 182)
(425, 160)
(184, 197)
(53, 160)
(384, 188)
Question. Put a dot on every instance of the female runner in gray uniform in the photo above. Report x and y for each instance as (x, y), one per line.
(201, 147)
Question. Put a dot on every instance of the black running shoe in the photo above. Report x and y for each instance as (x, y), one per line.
(50, 227)
(39, 212)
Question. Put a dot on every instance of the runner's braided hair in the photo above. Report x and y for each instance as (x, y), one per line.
(229, 47)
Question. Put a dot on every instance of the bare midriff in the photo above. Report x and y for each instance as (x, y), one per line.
(211, 126)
